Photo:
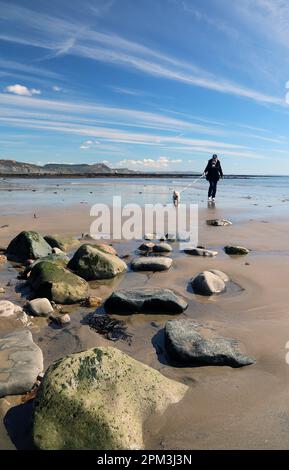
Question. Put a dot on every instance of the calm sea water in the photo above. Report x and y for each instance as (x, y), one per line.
(250, 194)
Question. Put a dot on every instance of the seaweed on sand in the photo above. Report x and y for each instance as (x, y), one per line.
(109, 327)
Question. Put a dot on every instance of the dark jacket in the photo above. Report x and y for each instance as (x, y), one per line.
(213, 170)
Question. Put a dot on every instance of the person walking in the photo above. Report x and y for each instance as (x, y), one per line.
(213, 173)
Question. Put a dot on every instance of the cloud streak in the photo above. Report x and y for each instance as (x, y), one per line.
(71, 37)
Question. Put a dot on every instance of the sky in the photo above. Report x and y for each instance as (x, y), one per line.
(146, 84)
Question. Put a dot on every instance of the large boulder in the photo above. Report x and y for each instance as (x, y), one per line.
(190, 343)
(64, 243)
(93, 263)
(8, 309)
(21, 363)
(28, 245)
(57, 283)
(236, 250)
(100, 399)
(147, 300)
(209, 283)
(151, 263)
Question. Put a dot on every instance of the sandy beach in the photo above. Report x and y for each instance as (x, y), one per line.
(243, 408)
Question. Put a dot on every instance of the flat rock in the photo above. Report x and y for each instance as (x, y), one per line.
(219, 222)
(8, 309)
(200, 252)
(99, 400)
(236, 250)
(57, 283)
(148, 246)
(147, 300)
(2, 290)
(208, 283)
(162, 248)
(92, 263)
(28, 245)
(21, 362)
(40, 307)
(190, 343)
(153, 263)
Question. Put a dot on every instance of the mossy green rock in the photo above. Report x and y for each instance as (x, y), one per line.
(91, 263)
(57, 283)
(64, 243)
(59, 259)
(28, 245)
(99, 399)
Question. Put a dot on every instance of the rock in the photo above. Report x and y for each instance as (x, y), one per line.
(222, 275)
(57, 283)
(162, 248)
(150, 236)
(200, 252)
(146, 300)
(154, 263)
(58, 251)
(63, 243)
(55, 258)
(208, 283)
(92, 263)
(8, 309)
(21, 362)
(93, 302)
(190, 343)
(236, 250)
(3, 259)
(40, 307)
(2, 290)
(219, 222)
(28, 245)
(64, 319)
(146, 246)
(106, 248)
(100, 399)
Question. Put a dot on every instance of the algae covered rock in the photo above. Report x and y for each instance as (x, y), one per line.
(28, 245)
(64, 243)
(57, 283)
(92, 263)
(99, 399)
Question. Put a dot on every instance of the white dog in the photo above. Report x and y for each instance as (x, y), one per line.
(176, 198)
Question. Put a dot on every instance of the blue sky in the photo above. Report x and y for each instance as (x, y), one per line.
(146, 84)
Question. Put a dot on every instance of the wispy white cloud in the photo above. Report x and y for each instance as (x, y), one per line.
(60, 36)
(22, 90)
(126, 91)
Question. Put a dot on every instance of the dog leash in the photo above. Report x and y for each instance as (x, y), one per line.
(191, 184)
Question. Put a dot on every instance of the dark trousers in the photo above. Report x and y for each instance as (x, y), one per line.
(212, 188)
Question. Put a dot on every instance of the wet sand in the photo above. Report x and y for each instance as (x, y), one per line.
(225, 408)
